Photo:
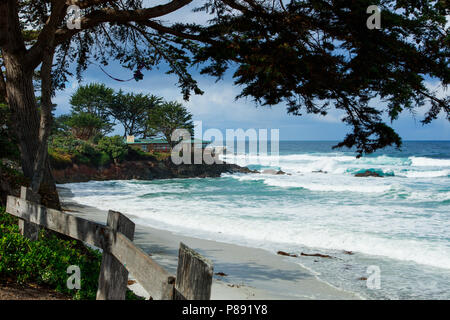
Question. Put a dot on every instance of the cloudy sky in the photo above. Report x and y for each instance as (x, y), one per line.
(217, 107)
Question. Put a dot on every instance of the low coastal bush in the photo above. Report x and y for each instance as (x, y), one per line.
(59, 159)
(137, 154)
(65, 150)
(46, 260)
(114, 146)
(161, 156)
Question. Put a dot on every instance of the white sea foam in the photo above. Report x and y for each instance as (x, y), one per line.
(316, 182)
(329, 187)
(429, 162)
(401, 219)
(426, 174)
(367, 229)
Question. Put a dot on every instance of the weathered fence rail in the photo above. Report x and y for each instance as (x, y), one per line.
(120, 254)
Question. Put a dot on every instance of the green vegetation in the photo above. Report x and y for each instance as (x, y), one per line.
(85, 126)
(94, 99)
(167, 117)
(65, 150)
(133, 110)
(46, 260)
(114, 146)
(80, 137)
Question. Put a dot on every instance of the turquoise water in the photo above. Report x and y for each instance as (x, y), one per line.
(399, 223)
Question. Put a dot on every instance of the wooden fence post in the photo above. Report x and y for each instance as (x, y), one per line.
(29, 229)
(194, 275)
(113, 279)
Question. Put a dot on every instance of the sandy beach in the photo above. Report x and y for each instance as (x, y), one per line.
(250, 273)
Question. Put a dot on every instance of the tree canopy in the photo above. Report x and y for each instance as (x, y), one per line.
(92, 98)
(85, 125)
(166, 118)
(132, 111)
(312, 55)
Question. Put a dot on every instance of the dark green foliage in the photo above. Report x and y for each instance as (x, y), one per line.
(313, 55)
(85, 125)
(65, 150)
(132, 111)
(46, 260)
(168, 117)
(59, 125)
(319, 54)
(114, 146)
(103, 160)
(137, 154)
(94, 99)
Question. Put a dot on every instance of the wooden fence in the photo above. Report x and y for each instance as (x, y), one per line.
(120, 255)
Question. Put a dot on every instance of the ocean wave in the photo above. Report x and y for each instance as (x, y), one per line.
(425, 174)
(320, 185)
(429, 162)
(328, 187)
(367, 229)
(274, 234)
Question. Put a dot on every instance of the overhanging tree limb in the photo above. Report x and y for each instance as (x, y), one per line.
(111, 15)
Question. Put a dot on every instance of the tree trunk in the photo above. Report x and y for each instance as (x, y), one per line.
(22, 102)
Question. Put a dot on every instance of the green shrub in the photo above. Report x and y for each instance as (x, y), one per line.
(104, 159)
(59, 159)
(46, 260)
(136, 154)
(114, 146)
(161, 156)
(63, 143)
(85, 125)
(65, 150)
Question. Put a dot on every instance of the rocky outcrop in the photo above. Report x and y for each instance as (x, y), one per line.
(368, 173)
(272, 171)
(144, 170)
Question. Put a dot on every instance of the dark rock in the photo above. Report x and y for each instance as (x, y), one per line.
(221, 274)
(282, 253)
(280, 172)
(269, 171)
(368, 173)
(144, 170)
(348, 252)
(316, 255)
(362, 278)
(320, 171)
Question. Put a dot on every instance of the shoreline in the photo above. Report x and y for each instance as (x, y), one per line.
(251, 273)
